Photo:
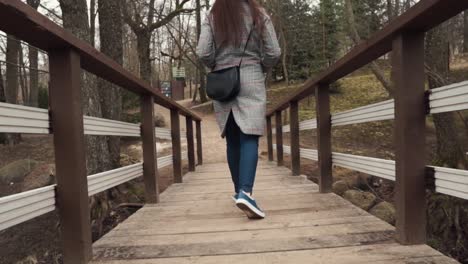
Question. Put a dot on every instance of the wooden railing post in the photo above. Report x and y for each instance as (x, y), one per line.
(150, 159)
(199, 143)
(190, 143)
(294, 138)
(322, 97)
(70, 158)
(279, 138)
(269, 138)
(176, 146)
(410, 143)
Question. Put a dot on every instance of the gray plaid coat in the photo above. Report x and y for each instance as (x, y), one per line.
(262, 53)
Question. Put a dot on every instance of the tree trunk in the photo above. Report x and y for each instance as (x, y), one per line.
(75, 19)
(354, 34)
(92, 21)
(201, 73)
(284, 54)
(465, 32)
(144, 52)
(2, 100)
(12, 84)
(2, 86)
(449, 143)
(33, 67)
(111, 36)
(23, 78)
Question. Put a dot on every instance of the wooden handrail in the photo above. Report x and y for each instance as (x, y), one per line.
(420, 18)
(27, 24)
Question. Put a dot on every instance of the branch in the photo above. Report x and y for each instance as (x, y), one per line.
(194, 63)
(354, 34)
(164, 21)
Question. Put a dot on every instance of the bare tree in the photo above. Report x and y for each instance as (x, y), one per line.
(144, 25)
(465, 32)
(449, 144)
(92, 21)
(111, 37)
(2, 86)
(33, 65)
(376, 70)
(75, 19)
(201, 73)
(12, 71)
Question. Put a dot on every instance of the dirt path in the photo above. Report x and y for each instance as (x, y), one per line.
(214, 147)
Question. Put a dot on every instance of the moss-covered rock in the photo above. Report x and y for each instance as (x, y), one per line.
(340, 187)
(364, 200)
(385, 211)
(15, 172)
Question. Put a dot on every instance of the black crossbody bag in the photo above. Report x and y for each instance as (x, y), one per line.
(224, 85)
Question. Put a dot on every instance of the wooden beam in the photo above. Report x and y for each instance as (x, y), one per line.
(322, 97)
(199, 144)
(190, 143)
(70, 158)
(176, 146)
(269, 139)
(410, 139)
(294, 138)
(150, 159)
(279, 139)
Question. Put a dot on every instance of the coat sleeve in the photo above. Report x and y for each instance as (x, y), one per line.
(206, 47)
(271, 48)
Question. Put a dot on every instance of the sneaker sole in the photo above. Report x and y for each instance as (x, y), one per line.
(249, 210)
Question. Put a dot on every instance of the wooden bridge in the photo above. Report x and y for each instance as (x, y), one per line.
(195, 220)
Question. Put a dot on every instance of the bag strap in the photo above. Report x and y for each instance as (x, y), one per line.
(246, 43)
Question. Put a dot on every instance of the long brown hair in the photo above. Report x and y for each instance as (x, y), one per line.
(228, 18)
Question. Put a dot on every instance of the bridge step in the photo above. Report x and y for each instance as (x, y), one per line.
(197, 222)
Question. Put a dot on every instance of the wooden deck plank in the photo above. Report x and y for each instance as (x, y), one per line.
(197, 222)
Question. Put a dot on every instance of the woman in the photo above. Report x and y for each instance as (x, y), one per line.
(240, 31)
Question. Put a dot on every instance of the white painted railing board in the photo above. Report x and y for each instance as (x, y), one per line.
(452, 182)
(109, 179)
(100, 127)
(164, 161)
(310, 154)
(304, 125)
(168, 160)
(373, 166)
(449, 98)
(462, 195)
(369, 113)
(21, 207)
(163, 133)
(308, 124)
(23, 119)
(112, 182)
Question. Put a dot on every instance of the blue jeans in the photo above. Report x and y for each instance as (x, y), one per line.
(242, 155)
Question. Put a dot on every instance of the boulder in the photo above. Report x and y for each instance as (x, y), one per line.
(159, 120)
(28, 260)
(364, 200)
(126, 160)
(340, 187)
(385, 211)
(357, 180)
(15, 172)
(41, 176)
